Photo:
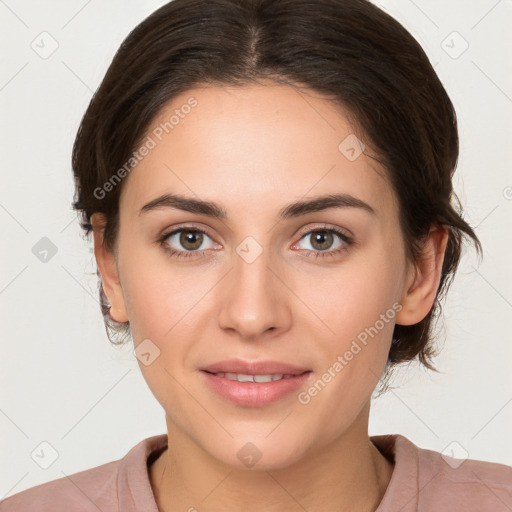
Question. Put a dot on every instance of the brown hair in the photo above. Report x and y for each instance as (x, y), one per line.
(351, 51)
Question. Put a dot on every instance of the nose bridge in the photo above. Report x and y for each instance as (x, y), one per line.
(253, 302)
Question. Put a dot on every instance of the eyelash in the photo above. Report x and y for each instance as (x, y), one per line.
(348, 241)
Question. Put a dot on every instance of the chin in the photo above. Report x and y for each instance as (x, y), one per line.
(257, 454)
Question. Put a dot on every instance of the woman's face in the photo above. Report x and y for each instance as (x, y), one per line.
(258, 285)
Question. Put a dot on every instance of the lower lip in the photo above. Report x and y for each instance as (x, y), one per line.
(254, 394)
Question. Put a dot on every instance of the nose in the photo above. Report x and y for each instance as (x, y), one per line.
(254, 299)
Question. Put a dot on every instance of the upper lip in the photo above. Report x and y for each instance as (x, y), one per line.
(254, 367)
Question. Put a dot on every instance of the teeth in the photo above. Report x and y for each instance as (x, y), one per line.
(243, 377)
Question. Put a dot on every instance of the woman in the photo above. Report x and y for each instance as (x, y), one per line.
(268, 184)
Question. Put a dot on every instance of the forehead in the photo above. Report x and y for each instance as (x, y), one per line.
(251, 146)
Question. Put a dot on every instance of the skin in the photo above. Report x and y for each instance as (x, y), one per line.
(253, 150)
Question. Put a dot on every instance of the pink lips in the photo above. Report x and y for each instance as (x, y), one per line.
(254, 394)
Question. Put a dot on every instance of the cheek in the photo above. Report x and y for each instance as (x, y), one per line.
(354, 297)
(360, 315)
(159, 295)
(160, 304)
(357, 306)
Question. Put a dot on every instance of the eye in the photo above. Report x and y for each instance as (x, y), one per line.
(184, 242)
(322, 240)
(187, 242)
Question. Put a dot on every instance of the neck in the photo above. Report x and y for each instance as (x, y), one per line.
(347, 474)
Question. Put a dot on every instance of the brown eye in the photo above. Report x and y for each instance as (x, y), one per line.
(187, 241)
(191, 240)
(321, 240)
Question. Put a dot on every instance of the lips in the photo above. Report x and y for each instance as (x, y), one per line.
(254, 383)
(239, 366)
(254, 394)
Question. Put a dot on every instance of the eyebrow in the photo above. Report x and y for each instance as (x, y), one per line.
(291, 210)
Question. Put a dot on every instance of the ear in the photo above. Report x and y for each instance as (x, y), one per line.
(107, 267)
(423, 280)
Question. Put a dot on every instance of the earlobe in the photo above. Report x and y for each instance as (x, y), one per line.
(106, 262)
(422, 284)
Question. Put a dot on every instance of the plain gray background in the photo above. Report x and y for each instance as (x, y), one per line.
(63, 385)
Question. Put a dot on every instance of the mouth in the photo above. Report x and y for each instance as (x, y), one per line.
(242, 367)
(254, 384)
(245, 377)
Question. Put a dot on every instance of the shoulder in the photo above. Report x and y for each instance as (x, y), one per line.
(476, 484)
(118, 485)
(425, 479)
(86, 490)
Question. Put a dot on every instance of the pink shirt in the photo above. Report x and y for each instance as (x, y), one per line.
(422, 480)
